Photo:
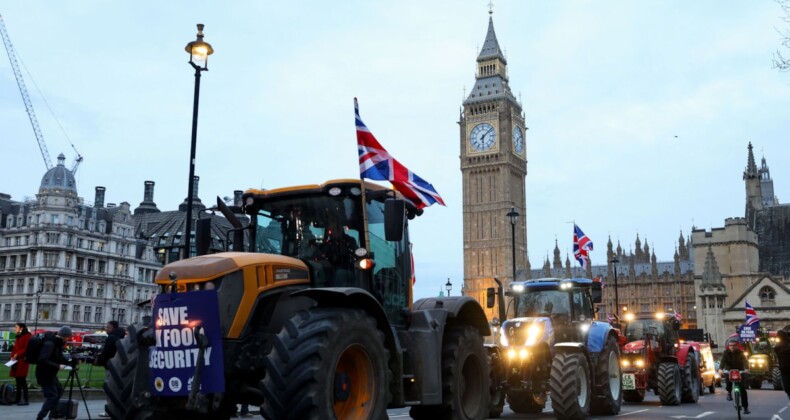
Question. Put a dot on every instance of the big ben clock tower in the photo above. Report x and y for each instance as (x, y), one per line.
(494, 168)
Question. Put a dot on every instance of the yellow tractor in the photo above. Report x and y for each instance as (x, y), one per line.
(313, 319)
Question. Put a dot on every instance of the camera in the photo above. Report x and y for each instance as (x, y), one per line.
(79, 355)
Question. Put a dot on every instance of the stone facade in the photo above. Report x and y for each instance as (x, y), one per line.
(63, 262)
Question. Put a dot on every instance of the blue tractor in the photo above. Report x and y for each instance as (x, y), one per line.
(553, 346)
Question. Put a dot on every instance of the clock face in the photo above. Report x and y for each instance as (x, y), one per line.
(482, 136)
(518, 140)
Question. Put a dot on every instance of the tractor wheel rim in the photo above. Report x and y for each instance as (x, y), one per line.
(581, 385)
(354, 373)
(614, 376)
(469, 387)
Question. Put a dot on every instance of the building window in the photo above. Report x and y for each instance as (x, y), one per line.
(46, 311)
(87, 315)
(79, 242)
(28, 310)
(89, 290)
(23, 261)
(97, 316)
(2, 263)
(69, 257)
(100, 291)
(102, 267)
(64, 311)
(49, 285)
(75, 313)
(78, 288)
(18, 311)
(30, 286)
(80, 264)
(55, 219)
(50, 259)
(7, 312)
(66, 286)
(767, 296)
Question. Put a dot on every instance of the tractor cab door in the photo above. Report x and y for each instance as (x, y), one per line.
(392, 276)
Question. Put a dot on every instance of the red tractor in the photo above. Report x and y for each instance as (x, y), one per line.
(653, 357)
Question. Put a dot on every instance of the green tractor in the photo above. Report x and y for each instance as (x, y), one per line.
(763, 365)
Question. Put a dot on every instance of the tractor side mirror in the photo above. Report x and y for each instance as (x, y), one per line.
(490, 297)
(597, 292)
(394, 219)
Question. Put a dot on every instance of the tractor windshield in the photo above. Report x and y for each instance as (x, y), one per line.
(313, 227)
(543, 303)
(636, 329)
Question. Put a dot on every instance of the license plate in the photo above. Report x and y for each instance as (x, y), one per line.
(629, 381)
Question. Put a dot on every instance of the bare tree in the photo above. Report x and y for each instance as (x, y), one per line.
(780, 62)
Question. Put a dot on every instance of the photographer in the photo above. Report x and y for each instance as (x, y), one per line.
(114, 334)
(50, 361)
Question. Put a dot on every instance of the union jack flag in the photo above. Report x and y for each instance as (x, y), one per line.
(751, 315)
(678, 317)
(582, 245)
(377, 164)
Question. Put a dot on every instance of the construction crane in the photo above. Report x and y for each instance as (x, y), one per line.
(31, 113)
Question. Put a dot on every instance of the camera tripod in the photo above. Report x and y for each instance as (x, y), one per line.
(73, 376)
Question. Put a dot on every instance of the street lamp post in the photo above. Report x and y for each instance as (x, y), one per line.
(513, 215)
(199, 51)
(614, 262)
(38, 299)
(448, 286)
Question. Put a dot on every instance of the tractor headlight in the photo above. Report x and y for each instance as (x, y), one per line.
(511, 354)
(639, 363)
(625, 363)
(534, 334)
(523, 354)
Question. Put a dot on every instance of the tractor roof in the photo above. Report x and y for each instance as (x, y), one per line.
(551, 283)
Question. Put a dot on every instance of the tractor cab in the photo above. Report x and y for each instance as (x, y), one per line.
(349, 234)
(567, 303)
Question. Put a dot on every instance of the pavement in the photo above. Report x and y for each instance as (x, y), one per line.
(88, 409)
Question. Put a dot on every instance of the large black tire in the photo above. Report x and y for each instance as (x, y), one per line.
(120, 387)
(526, 402)
(669, 383)
(465, 378)
(570, 386)
(691, 380)
(776, 378)
(634, 395)
(607, 394)
(327, 363)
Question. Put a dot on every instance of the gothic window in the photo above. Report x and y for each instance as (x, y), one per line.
(767, 296)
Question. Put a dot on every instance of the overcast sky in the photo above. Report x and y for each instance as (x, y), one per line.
(639, 113)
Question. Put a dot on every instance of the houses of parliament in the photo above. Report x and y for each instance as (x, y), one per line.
(713, 272)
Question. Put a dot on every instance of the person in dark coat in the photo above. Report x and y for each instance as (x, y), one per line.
(783, 356)
(50, 361)
(735, 358)
(114, 334)
(20, 369)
